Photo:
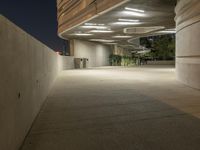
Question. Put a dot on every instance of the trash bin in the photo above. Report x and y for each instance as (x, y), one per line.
(78, 63)
(85, 62)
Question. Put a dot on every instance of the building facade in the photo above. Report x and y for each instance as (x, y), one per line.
(118, 22)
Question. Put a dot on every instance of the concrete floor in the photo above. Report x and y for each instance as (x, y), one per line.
(118, 109)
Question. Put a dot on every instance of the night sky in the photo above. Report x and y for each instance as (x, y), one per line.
(37, 17)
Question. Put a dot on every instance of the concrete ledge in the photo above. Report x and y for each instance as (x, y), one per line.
(188, 74)
(160, 62)
(28, 70)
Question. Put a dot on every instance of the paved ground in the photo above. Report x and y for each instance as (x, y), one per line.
(118, 109)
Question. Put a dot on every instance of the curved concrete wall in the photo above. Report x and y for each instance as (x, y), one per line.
(187, 42)
(98, 54)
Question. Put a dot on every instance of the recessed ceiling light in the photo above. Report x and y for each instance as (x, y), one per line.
(132, 13)
(127, 23)
(82, 34)
(102, 40)
(128, 20)
(142, 30)
(93, 24)
(133, 9)
(122, 36)
(167, 32)
(101, 31)
(95, 27)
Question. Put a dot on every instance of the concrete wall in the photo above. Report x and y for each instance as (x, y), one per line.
(97, 54)
(121, 51)
(187, 42)
(67, 62)
(27, 71)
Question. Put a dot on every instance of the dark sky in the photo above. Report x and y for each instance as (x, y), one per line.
(37, 17)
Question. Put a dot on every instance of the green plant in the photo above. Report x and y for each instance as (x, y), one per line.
(127, 61)
(115, 60)
(162, 47)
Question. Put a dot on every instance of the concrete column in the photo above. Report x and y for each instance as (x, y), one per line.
(188, 42)
(71, 42)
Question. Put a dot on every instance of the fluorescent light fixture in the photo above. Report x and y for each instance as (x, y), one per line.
(94, 27)
(135, 10)
(101, 31)
(122, 36)
(102, 40)
(93, 24)
(142, 30)
(127, 23)
(90, 24)
(132, 13)
(128, 20)
(82, 34)
(167, 31)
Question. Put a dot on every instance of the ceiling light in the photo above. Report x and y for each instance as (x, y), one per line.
(134, 13)
(142, 30)
(101, 40)
(127, 23)
(128, 20)
(90, 24)
(94, 27)
(93, 24)
(172, 31)
(82, 34)
(101, 31)
(122, 36)
(133, 9)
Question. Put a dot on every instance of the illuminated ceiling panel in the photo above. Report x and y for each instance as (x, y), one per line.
(133, 19)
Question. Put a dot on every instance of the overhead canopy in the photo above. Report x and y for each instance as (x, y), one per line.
(122, 21)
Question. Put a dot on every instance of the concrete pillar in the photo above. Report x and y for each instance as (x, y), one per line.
(71, 42)
(188, 42)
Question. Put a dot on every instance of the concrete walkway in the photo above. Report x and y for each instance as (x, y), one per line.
(118, 109)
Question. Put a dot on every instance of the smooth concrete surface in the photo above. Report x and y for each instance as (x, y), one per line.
(187, 42)
(28, 68)
(122, 51)
(118, 109)
(67, 62)
(98, 54)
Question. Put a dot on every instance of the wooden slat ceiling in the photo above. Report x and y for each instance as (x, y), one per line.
(73, 12)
